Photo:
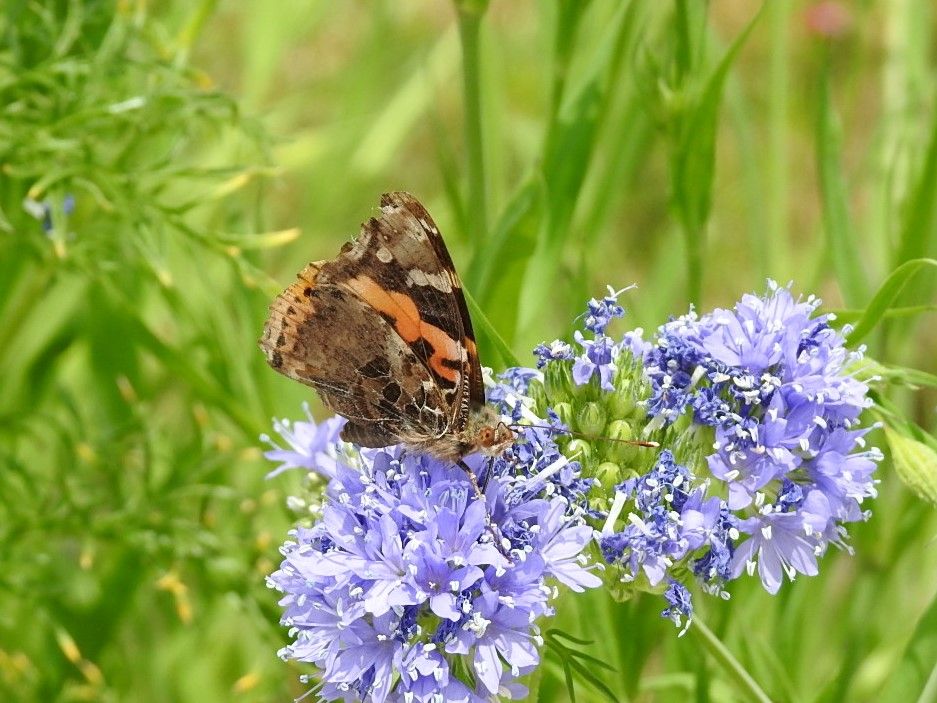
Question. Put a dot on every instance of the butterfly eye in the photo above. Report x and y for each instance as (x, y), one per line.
(485, 437)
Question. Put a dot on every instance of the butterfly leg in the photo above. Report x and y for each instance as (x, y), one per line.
(488, 469)
(493, 529)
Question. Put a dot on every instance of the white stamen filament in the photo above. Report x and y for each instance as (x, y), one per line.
(617, 504)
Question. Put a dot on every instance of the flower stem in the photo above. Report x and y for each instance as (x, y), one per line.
(470, 17)
(743, 680)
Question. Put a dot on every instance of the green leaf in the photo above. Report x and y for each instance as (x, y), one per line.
(480, 319)
(918, 228)
(869, 370)
(732, 666)
(915, 464)
(560, 634)
(568, 153)
(586, 674)
(851, 317)
(840, 234)
(915, 676)
(885, 296)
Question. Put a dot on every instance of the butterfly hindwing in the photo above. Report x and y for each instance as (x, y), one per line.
(314, 334)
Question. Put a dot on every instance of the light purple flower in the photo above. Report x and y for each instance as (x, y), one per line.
(771, 378)
(311, 445)
(597, 359)
(400, 573)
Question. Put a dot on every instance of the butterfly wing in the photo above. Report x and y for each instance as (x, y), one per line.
(382, 331)
(399, 265)
(323, 335)
(474, 384)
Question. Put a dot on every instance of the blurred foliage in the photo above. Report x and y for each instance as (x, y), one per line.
(155, 159)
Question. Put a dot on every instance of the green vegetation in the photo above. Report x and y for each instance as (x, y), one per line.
(165, 168)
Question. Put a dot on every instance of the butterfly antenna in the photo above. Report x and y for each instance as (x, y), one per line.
(493, 529)
(559, 430)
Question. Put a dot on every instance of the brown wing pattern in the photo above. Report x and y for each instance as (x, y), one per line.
(473, 373)
(400, 267)
(325, 336)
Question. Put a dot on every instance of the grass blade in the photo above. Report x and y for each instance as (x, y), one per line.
(694, 163)
(915, 677)
(885, 296)
(840, 235)
(481, 321)
(733, 668)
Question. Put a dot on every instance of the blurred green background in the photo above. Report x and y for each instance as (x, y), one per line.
(166, 167)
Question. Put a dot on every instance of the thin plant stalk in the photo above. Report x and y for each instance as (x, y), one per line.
(744, 681)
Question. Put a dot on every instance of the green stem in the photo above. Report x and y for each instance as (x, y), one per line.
(470, 18)
(694, 260)
(743, 680)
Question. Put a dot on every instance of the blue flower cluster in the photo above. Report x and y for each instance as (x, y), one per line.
(671, 518)
(752, 457)
(397, 592)
(772, 380)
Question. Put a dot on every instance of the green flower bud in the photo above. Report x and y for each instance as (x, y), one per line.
(578, 449)
(565, 412)
(590, 420)
(558, 379)
(684, 423)
(538, 394)
(609, 475)
(621, 402)
(693, 445)
(620, 430)
(620, 433)
(620, 590)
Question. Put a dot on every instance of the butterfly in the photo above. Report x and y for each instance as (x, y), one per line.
(383, 333)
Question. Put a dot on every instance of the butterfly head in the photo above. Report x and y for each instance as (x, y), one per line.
(486, 433)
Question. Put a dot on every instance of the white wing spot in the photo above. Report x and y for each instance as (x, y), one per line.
(384, 255)
(441, 281)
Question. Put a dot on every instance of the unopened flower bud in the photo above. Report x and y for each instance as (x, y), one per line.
(609, 475)
(621, 403)
(564, 411)
(590, 420)
(620, 433)
(558, 379)
(578, 449)
(537, 393)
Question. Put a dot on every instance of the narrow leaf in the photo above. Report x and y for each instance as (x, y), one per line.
(480, 319)
(263, 240)
(850, 317)
(694, 161)
(560, 634)
(840, 234)
(915, 676)
(885, 296)
(918, 228)
(732, 666)
(591, 678)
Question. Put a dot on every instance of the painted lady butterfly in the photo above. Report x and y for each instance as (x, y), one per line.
(383, 334)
